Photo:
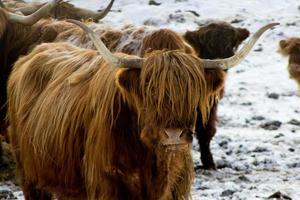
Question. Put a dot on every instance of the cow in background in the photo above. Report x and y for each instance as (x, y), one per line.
(64, 10)
(213, 41)
(291, 48)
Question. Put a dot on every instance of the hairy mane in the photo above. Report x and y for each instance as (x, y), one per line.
(178, 83)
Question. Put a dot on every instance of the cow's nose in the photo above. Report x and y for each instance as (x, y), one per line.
(176, 137)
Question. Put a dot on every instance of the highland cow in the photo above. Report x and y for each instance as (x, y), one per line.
(64, 10)
(82, 127)
(18, 35)
(291, 48)
(212, 41)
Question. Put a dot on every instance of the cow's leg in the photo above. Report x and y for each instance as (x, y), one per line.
(32, 193)
(204, 134)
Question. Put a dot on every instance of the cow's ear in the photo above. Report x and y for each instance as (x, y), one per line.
(286, 47)
(242, 34)
(128, 80)
(215, 79)
(192, 37)
(283, 44)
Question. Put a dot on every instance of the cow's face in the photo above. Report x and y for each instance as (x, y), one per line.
(166, 93)
(289, 46)
(216, 40)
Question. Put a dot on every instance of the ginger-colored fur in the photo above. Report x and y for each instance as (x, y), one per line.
(83, 129)
(291, 48)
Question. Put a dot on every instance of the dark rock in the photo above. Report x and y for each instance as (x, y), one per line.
(194, 13)
(280, 34)
(243, 178)
(258, 118)
(293, 165)
(151, 22)
(247, 104)
(223, 143)
(221, 164)
(235, 21)
(7, 194)
(226, 193)
(260, 149)
(291, 24)
(240, 71)
(259, 49)
(278, 195)
(273, 95)
(153, 3)
(271, 125)
(178, 17)
(279, 135)
(291, 149)
(294, 122)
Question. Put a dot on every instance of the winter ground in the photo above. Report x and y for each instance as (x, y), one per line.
(257, 145)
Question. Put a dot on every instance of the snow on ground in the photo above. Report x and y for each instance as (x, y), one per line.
(253, 162)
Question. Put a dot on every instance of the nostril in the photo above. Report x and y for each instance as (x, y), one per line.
(166, 134)
(181, 135)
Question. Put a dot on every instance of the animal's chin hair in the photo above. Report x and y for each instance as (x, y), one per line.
(183, 177)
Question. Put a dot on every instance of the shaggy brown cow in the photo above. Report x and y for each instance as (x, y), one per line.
(291, 48)
(216, 40)
(212, 41)
(18, 35)
(64, 10)
(85, 128)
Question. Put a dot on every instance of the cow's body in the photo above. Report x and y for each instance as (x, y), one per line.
(83, 130)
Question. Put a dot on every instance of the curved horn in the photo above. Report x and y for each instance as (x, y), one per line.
(27, 10)
(230, 62)
(106, 54)
(96, 16)
(34, 17)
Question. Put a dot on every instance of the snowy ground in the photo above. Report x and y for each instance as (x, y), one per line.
(253, 162)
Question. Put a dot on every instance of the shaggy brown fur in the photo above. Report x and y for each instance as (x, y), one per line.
(17, 40)
(291, 48)
(83, 129)
(212, 41)
(216, 40)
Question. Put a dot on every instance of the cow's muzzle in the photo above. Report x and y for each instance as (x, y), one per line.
(176, 137)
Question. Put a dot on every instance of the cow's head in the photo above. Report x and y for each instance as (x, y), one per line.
(290, 46)
(166, 92)
(216, 40)
(166, 87)
(165, 39)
